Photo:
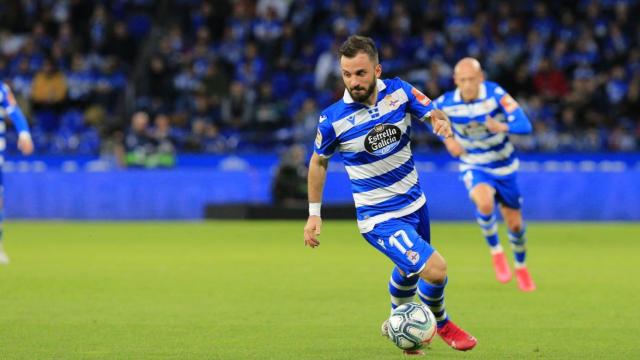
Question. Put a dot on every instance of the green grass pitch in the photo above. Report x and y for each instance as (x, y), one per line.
(251, 290)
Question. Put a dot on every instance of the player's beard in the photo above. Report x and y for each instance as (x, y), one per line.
(362, 96)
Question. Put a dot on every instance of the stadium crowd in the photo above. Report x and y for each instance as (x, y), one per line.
(226, 76)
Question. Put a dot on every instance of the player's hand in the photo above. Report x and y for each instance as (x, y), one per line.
(495, 126)
(441, 124)
(312, 231)
(25, 144)
(454, 148)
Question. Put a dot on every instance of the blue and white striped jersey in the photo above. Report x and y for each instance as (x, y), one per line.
(9, 109)
(374, 142)
(486, 151)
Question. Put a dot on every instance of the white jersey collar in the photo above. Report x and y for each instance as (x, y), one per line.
(482, 93)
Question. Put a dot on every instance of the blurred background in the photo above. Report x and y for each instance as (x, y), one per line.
(181, 109)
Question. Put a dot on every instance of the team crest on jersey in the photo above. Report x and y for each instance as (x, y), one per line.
(422, 98)
(392, 102)
(323, 117)
(475, 130)
(382, 139)
(413, 256)
(508, 103)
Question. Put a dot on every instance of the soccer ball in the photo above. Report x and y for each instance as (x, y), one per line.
(411, 325)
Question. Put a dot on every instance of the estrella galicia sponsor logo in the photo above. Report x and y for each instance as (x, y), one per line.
(382, 139)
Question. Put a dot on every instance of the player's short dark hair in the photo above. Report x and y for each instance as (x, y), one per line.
(356, 44)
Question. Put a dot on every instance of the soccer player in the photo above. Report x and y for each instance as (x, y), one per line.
(10, 110)
(370, 127)
(482, 115)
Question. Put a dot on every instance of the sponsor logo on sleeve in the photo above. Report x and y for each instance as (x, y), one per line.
(323, 117)
(422, 98)
(318, 139)
(508, 103)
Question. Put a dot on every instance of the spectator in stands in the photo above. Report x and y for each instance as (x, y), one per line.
(49, 92)
(110, 83)
(80, 81)
(158, 83)
(121, 44)
(305, 122)
(549, 82)
(237, 107)
(215, 83)
(22, 81)
(204, 137)
(269, 110)
(138, 142)
(290, 182)
(164, 142)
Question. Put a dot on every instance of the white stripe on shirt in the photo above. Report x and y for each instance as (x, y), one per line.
(505, 170)
(481, 144)
(488, 156)
(379, 195)
(380, 167)
(368, 224)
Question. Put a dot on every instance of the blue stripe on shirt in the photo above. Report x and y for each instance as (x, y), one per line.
(496, 147)
(495, 164)
(397, 202)
(384, 180)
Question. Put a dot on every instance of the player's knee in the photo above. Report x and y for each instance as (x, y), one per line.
(514, 224)
(515, 227)
(435, 271)
(485, 207)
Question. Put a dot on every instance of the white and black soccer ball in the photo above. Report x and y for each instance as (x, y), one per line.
(411, 325)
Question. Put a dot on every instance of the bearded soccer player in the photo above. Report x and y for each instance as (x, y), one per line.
(370, 127)
(483, 114)
(10, 110)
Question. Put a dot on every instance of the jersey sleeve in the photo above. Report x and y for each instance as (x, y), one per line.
(418, 104)
(11, 108)
(517, 120)
(326, 140)
(7, 101)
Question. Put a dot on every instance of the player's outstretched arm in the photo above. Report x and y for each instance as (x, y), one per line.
(517, 121)
(11, 108)
(441, 123)
(519, 124)
(317, 176)
(453, 147)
